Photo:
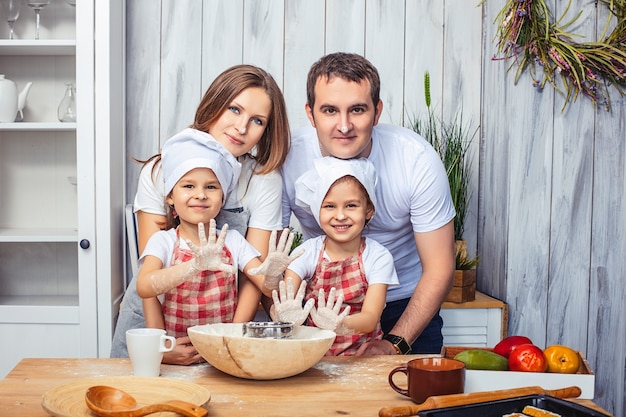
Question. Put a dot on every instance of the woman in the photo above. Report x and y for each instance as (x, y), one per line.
(255, 129)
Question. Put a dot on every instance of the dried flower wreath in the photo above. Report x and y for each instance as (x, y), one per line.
(529, 33)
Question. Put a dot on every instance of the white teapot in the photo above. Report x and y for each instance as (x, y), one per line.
(10, 101)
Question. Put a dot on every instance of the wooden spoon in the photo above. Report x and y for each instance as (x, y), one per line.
(107, 401)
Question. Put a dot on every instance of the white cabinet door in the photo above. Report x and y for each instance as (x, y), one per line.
(61, 233)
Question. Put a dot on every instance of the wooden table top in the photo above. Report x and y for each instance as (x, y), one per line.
(482, 300)
(335, 386)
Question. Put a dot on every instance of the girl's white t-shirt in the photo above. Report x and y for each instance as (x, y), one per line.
(377, 261)
(161, 245)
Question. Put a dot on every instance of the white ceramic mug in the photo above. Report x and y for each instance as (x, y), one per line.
(145, 349)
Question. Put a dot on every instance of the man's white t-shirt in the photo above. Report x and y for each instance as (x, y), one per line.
(377, 261)
(412, 193)
(256, 203)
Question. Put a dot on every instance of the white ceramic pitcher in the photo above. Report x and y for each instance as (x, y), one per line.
(10, 101)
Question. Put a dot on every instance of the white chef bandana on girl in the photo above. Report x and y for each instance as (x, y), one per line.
(192, 149)
(313, 185)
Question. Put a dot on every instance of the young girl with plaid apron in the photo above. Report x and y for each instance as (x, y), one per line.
(341, 196)
(194, 271)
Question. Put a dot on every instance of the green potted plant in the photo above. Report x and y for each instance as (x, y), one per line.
(452, 140)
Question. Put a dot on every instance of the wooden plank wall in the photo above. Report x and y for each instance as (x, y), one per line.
(547, 210)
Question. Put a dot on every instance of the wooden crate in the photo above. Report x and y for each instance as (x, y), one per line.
(478, 380)
(464, 287)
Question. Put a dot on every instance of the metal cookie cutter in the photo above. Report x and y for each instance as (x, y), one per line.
(268, 329)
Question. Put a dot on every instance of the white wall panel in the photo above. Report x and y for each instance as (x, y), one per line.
(181, 65)
(571, 204)
(345, 26)
(263, 36)
(222, 37)
(461, 89)
(302, 18)
(423, 52)
(143, 67)
(385, 21)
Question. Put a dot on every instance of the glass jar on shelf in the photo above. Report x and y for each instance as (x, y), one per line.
(67, 108)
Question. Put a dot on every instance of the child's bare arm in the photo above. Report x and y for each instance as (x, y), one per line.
(153, 313)
(366, 320)
(248, 300)
(153, 279)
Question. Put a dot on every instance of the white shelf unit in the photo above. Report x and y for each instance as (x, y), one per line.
(41, 47)
(37, 126)
(61, 234)
(478, 323)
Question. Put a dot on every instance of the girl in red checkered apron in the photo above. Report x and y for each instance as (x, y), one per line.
(206, 297)
(195, 272)
(352, 270)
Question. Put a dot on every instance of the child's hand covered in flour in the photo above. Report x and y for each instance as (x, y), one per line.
(208, 255)
(289, 306)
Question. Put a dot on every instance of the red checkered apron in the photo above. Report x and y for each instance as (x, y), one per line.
(209, 297)
(347, 276)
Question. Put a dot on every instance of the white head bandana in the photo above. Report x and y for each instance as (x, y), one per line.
(192, 149)
(313, 185)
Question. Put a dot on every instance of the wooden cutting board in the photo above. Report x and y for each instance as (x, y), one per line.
(68, 400)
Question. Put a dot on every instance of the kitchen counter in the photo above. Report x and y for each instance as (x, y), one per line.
(335, 386)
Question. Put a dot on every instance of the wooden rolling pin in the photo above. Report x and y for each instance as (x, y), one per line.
(441, 401)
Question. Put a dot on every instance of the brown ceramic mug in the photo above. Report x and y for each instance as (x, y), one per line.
(430, 376)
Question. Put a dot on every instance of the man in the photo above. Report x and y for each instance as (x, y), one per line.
(416, 211)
